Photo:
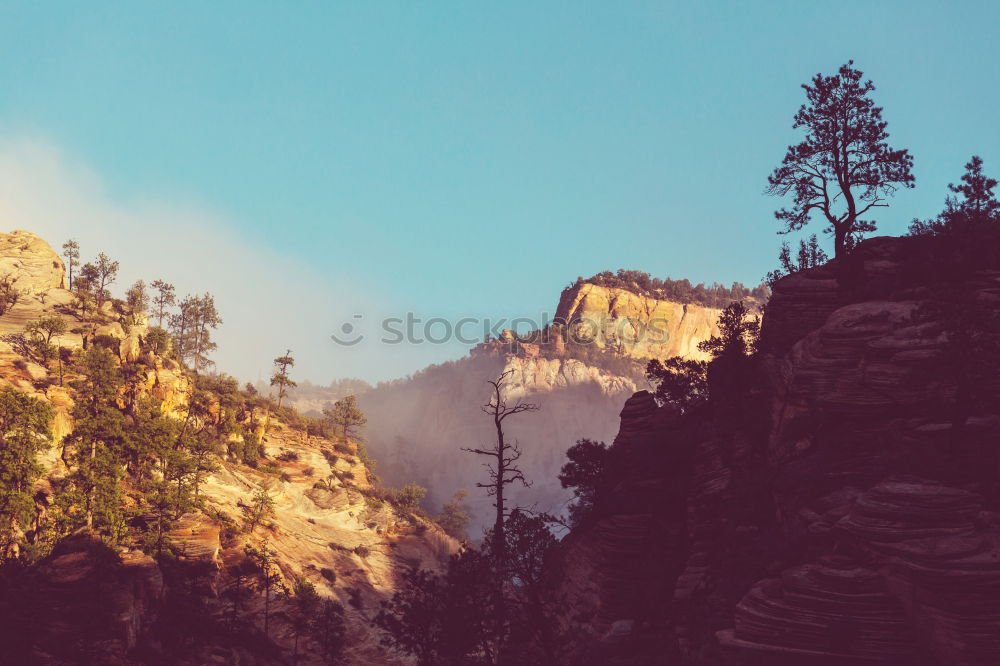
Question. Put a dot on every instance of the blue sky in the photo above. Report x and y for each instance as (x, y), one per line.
(454, 158)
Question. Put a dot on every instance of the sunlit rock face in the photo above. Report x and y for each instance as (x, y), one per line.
(418, 426)
(31, 261)
(638, 325)
(835, 514)
(88, 602)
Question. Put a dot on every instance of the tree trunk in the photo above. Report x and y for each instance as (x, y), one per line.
(499, 542)
(839, 241)
(90, 490)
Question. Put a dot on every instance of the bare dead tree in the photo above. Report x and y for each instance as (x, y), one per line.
(502, 471)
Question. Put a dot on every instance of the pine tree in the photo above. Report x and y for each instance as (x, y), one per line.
(978, 206)
(843, 161)
(100, 275)
(586, 462)
(454, 517)
(260, 509)
(97, 440)
(280, 376)
(268, 577)
(164, 298)
(305, 604)
(192, 330)
(71, 250)
(346, 417)
(24, 433)
(328, 630)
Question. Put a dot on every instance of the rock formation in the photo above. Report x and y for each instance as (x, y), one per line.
(417, 426)
(32, 262)
(842, 509)
(643, 326)
(88, 602)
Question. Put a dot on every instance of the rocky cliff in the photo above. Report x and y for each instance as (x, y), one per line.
(840, 508)
(99, 601)
(613, 318)
(578, 372)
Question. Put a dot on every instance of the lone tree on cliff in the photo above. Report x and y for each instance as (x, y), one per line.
(503, 471)
(164, 298)
(71, 250)
(280, 377)
(346, 417)
(99, 276)
(844, 167)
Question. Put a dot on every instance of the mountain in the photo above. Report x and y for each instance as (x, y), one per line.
(109, 590)
(836, 502)
(579, 371)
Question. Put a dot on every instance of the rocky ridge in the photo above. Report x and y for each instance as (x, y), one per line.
(89, 601)
(575, 379)
(832, 514)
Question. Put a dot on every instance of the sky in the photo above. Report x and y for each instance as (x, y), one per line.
(312, 164)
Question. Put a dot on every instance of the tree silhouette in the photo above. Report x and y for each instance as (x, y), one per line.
(680, 382)
(582, 473)
(738, 332)
(844, 167)
(280, 376)
(977, 207)
(502, 471)
(810, 255)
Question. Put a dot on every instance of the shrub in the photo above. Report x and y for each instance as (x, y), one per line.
(106, 341)
(362, 551)
(156, 341)
(285, 477)
(316, 428)
(408, 497)
(270, 468)
(342, 447)
(328, 574)
(331, 457)
(308, 471)
(288, 456)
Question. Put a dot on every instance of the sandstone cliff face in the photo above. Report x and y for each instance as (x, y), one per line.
(834, 514)
(29, 259)
(316, 533)
(88, 603)
(418, 426)
(645, 327)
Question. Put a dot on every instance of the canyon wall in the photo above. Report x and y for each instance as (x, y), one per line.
(94, 601)
(417, 426)
(841, 507)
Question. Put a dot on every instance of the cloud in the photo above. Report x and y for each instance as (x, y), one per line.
(268, 301)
